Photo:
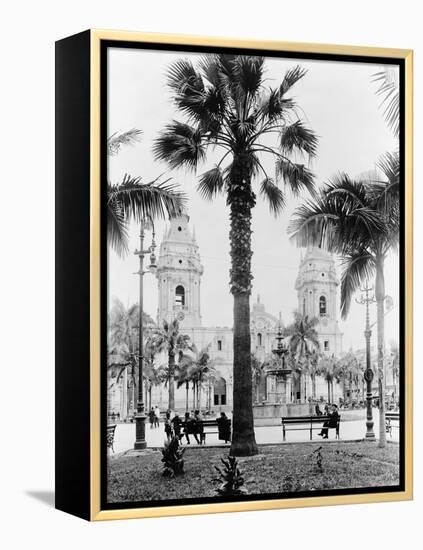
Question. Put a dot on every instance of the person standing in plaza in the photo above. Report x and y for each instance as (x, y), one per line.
(152, 418)
(157, 417)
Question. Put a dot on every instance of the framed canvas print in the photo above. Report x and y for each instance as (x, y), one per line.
(234, 275)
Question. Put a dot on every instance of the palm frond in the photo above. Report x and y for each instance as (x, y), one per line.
(292, 76)
(388, 90)
(296, 176)
(273, 195)
(273, 106)
(179, 144)
(211, 183)
(248, 72)
(298, 137)
(313, 223)
(182, 75)
(116, 140)
(388, 191)
(117, 228)
(357, 267)
(154, 199)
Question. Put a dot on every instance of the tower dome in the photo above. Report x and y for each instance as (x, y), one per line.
(316, 287)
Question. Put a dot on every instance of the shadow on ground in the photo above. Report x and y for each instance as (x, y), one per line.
(46, 497)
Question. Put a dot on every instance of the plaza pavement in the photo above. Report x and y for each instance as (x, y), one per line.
(353, 426)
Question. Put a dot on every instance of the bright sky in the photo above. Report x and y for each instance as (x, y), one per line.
(338, 102)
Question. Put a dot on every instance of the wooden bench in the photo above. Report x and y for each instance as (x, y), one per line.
(309, 423)
(391, 421)
(209, 426)
(110, 437)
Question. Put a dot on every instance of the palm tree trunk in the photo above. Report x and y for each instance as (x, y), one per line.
(124, 408)
(241, 199)
(186, 396)
(171, 405)
(380, 306)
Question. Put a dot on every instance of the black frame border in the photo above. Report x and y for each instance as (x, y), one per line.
(347, 58)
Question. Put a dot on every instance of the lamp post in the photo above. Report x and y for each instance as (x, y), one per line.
(368, 373)
(140, 442)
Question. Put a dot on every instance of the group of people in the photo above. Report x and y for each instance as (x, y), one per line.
(176, 427)
(193, 425)
(332, 412)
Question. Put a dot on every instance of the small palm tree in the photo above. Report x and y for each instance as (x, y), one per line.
(313, 360)
(350, 371)
(229, 109)
(132, 199)
(171, 341)
(359, 220)
(329, 371)
(257, 374)
(197, 367)
(123, 342)
(303, 340)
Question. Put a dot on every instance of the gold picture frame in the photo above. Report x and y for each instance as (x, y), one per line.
(91, 509)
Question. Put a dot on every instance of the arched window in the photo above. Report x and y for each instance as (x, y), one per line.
(180, 295)
(259, 339)
(322, 306)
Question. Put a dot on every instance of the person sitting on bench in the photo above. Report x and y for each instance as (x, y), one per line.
(190, 428)
(224, 427)
(177, 423)
(331, 423)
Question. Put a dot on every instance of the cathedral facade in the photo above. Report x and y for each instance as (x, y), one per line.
(179, 272)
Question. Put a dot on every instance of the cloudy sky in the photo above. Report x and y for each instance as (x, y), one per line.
(337, 100)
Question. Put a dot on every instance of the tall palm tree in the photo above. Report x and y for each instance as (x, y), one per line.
(132, 199)
(228, 108)
(170, 340)
(303, 340)
(359, 220)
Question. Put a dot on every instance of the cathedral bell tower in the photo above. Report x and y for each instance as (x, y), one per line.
(178, 274)
(316, 287)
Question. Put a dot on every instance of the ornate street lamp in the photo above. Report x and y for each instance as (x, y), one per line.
(280, 351)
(368, 373)
(140, 442)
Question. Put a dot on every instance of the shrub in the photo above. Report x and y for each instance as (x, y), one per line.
(317, 453)
(173, 463)
(231, 477)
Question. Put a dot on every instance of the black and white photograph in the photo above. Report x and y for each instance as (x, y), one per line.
(253, 239)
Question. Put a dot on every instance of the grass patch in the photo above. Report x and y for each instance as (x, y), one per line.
(277, 469)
